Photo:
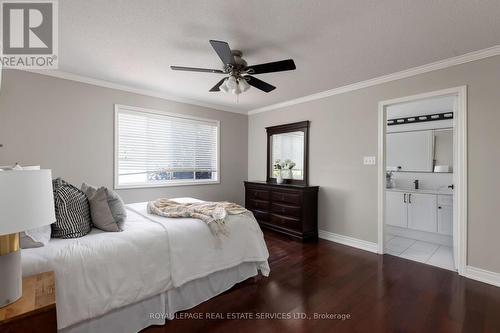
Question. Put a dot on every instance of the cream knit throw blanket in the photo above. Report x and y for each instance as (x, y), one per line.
(212, 213)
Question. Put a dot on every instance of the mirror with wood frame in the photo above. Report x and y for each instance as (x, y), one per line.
(287, 150)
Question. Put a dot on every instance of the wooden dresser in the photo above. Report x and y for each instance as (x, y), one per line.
(285, 208)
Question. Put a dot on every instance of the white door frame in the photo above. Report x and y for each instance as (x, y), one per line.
(459, 169)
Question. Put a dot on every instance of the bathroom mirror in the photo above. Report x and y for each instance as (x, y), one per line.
(420, 151)
(287, 147)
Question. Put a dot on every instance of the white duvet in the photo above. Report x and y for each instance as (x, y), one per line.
(103, 271)
(195, 252)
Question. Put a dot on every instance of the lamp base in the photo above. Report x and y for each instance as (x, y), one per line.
(10, 270)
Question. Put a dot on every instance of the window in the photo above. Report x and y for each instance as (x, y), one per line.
(154, 148)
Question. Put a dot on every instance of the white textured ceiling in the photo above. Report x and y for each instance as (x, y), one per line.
(333, 42)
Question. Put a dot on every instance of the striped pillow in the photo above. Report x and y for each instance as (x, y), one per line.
(72, 211)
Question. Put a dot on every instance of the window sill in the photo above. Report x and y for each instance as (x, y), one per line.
(173, 184)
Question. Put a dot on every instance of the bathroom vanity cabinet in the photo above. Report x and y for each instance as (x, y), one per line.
(419, 210)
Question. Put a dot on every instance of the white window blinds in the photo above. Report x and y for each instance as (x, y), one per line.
(155, 149)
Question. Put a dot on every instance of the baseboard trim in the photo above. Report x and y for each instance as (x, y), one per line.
(349, 241)
(470, 272)
(482, 275)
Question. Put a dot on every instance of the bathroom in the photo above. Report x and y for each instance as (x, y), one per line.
(419, 194)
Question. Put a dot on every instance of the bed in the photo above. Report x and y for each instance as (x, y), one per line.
(126, 281)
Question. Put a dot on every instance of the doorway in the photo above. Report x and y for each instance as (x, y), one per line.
(422, 194)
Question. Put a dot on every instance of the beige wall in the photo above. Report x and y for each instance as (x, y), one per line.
(68, 127)
(344, 129)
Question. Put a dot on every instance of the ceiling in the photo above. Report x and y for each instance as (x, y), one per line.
(333, 42)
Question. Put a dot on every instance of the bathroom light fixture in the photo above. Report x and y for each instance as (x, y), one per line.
(420, 119)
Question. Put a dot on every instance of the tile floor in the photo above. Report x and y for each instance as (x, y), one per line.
(429, 253)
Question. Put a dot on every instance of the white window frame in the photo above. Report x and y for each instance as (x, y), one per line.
(134, 109)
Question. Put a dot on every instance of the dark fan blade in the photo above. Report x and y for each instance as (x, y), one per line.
(194, 69)
(223, 51)
(216, 87)
(277, 66)
(259, 84)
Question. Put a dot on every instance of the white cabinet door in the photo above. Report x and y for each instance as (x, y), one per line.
(445, 220)
(395, 209)
(422, 212)
(411, 151)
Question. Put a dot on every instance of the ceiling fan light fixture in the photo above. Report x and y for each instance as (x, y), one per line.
(243, 84)
(240, 74)
(236, 90)
(223, 87)
(231, 83)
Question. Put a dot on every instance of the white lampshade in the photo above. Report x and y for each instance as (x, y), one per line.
(26, 200)
(243, 84)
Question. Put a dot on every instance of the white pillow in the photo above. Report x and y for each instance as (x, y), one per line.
(36, 237)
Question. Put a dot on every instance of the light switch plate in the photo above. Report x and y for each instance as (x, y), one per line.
(369, 160)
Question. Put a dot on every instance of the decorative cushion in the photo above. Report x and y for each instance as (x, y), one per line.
(72, 211)
(115, 203)
(36, 237)
(100, 212)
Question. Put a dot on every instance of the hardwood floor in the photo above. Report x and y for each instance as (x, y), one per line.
(379, 293)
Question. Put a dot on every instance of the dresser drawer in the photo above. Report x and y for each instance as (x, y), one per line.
(257, 194)
(257, 204)
(260, 215)
(283, 209)
(287, 197)
(286, 222)
(291, 210)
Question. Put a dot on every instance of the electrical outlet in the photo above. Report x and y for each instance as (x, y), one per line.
(369, 160)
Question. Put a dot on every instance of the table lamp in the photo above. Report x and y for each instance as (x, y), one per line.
(26, 202)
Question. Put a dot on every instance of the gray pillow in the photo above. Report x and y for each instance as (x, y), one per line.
(115, 203)
(100, 212)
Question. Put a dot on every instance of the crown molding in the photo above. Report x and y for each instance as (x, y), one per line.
(107, 84)
(441, 64)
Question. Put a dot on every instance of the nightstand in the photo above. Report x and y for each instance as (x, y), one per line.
(35, 311)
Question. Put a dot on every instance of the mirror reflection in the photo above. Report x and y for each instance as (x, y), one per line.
(420, 151)
(287, 155)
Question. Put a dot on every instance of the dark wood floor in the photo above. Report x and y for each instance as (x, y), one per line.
(379, 293)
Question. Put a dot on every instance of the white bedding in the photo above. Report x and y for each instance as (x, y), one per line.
(195, 252)
(104, 271)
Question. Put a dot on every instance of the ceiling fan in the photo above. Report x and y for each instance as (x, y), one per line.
(240, 74)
